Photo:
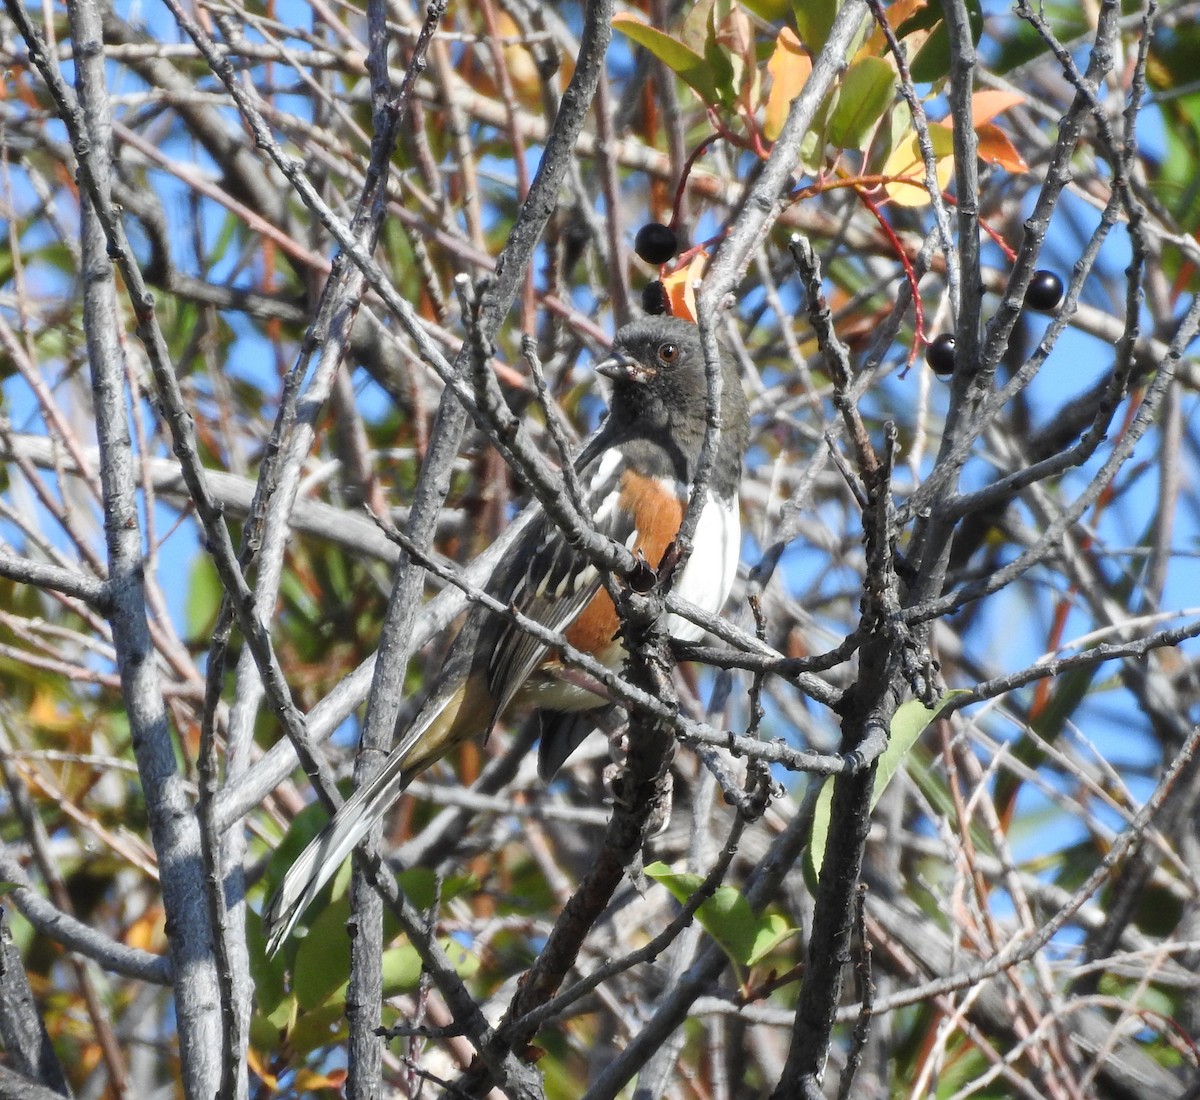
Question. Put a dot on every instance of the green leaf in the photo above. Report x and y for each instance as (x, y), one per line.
(320, 974)
(264, 1032)
(323, 957)
(402, 966)
(1024, 44)
(929, 778)
(727, 917)
(688, 65)
(318, 1028)
(321, 963)
(769, 11)
(268, 974)
(813, 20)
(1171, 74)
(866, 93)
(773, 930)
(203, 598)
(908, 723)
(6, 259)
(814, 854)
(812, 148)
(932, 61)
(720, 68)
(418, 885)
(401, 970)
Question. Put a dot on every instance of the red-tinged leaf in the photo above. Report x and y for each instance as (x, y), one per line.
(736, 36)
(732, 44)
(697, 26)
(995, 148)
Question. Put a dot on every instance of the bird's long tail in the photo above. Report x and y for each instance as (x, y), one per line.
(317, 864)
(430, 737)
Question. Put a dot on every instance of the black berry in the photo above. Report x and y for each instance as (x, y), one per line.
(655, 243)
(940, 354)
(1045, 291)
(654, 299)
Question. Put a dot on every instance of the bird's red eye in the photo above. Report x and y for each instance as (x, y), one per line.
(668, 353)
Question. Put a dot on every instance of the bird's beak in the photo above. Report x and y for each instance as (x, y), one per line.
(621, 369)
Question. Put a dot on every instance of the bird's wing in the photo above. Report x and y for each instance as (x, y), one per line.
(557, 584)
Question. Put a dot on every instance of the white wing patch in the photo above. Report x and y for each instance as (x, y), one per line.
(711, 569)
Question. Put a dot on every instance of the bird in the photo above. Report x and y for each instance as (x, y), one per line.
(637, 473)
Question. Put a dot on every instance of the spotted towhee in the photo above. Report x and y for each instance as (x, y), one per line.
(637, 474)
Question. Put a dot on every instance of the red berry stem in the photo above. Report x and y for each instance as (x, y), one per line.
(695, 155)
(909, 274)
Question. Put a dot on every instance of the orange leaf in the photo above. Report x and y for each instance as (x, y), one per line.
(995, 148)
(985, 106)
(523, 72)
(789, 68)
(896, 13)
(309, 1080)
(47, 713)
(146, 933)
(681, 288)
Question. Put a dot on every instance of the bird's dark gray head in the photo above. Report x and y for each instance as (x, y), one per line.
(659, 389)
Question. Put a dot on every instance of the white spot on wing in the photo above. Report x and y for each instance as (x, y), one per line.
(607, 466)
(602, 513)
